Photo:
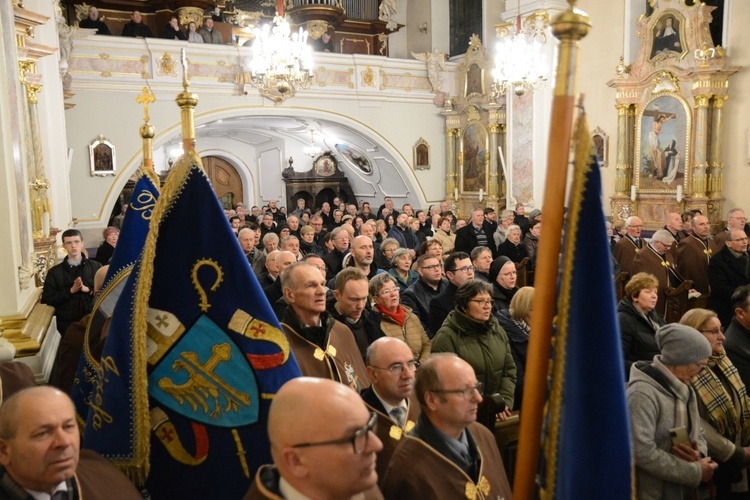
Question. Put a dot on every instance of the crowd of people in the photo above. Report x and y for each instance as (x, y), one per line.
(419, 312)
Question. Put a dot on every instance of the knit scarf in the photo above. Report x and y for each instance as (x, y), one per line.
(399, 316)
(722, 414)
(522, 325)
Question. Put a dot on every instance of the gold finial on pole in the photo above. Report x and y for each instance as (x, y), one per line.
(187, 102)
(147, 130)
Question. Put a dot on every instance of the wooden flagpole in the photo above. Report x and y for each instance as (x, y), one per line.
(569, 27)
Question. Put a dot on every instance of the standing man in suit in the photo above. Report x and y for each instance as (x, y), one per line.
(478, 232)
(694, 252)
(391, 367)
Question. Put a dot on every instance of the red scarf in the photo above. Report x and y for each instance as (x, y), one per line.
(399, 316)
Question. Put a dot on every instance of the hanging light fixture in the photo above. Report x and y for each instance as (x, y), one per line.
(312, 150)
(520, 65)
(281, 61)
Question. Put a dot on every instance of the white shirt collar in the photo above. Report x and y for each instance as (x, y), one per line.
(38, 495)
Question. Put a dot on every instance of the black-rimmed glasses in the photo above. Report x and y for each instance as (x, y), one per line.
(398, 368)
(466, 392)
(358, 440)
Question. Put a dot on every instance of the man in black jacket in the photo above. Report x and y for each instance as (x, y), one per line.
(350, 308)
(458, 270)
(728, 269)
(69, 286)
(477, 233)
(428, 286)
(135, 28)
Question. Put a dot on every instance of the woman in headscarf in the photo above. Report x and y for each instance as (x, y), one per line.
(723, 406)
(107, 248)
(503, 276)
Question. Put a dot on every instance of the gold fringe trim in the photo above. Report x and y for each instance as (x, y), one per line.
(139, 468)
(582, 161)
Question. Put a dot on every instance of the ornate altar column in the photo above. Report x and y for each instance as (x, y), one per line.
(493, 188)
(700, 165)
(623, 174)
(451, 176)
(716, 173)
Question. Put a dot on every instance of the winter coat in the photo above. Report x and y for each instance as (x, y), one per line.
(637, 334)
(485, 346)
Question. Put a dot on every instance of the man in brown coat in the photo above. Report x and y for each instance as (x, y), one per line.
(323, 346)
(448, 454)
(694, 252)
(628, 246)
(656, 259)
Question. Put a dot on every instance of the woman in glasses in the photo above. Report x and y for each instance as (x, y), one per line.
(723, 406)
(503, 276)
(473, 333)
(398, 320)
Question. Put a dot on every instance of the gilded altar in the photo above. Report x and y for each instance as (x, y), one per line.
(670, 106)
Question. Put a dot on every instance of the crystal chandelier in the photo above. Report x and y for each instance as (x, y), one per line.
(281, 61)
(312, 150)
(520, 65)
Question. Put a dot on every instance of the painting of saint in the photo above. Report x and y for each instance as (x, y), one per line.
(474, 146)
(664, 127)
(666, 37)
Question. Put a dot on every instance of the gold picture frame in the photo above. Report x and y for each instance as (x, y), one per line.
(102, 157)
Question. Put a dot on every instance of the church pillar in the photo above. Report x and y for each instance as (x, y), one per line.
(451, 176)
(623, 168)
(700, 165)
(715, 177)
(495, 174)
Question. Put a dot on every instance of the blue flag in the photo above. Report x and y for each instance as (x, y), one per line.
(128, 250)
(194, 355)
(587, 444)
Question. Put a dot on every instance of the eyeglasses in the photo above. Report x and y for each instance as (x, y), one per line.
(432, 267)
(465, 269)
(358, 440)
(398, 368)
(389, 292)
(482, 302)
(715, 331)
(634, 226)
(466, 392)
(739, 239)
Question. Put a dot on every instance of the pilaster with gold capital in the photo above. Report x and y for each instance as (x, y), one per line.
(493, 187)
(622, 169)
(451, 177)
(700, 144)
(716, 174)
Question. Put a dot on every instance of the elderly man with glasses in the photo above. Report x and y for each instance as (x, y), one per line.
(323, 444)
(447, 455)
(656, 258)
(391, 367)
(728, 269)
(735, 220)
(626, 249)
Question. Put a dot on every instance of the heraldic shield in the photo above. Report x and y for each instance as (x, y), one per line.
(194, 355)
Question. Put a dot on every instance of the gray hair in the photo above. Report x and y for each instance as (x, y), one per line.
(400, 252)
(663, 236)
(378, 281)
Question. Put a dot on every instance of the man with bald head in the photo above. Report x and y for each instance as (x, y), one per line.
(39, 452)
(694, 252)
(271, 272)
(323, 346)
(674, 226)
(729, 269)
(323, 444)
(362, 256)
(448, 453)
(625, 249)
(135, 28)
(391, 368)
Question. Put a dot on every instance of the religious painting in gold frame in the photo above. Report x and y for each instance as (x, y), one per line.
(663, 147)
(668, 36)
(102, 157)
(474, 157)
